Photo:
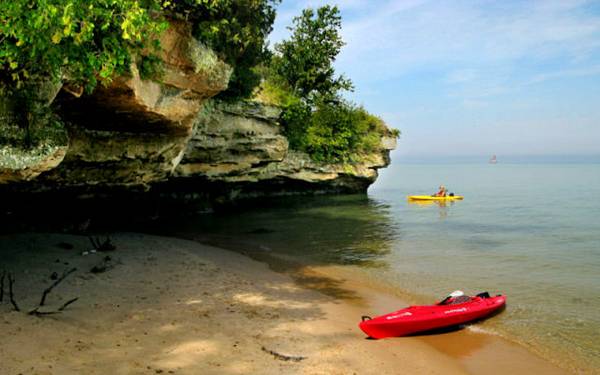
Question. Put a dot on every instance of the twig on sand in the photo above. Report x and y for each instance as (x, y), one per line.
(283, 357)
(64, 306)
(36, 312)
(47, 291)
(11, 295)
(2, 285)
(54, 284)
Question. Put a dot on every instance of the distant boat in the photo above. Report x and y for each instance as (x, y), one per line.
(493, 159)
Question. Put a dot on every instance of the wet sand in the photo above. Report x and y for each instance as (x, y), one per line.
(168, 305)
(477, 352)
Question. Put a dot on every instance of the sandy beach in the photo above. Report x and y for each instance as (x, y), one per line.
(173, 306)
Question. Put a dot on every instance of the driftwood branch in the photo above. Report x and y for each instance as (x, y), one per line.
(2, 285)
(54, 284)
(36, 312)
(11, 294)
(47, 291)
(283, 357)
(64, 306)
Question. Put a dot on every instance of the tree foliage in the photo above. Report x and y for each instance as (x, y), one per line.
(88, 41)
(305, 61)
(237, 30)
(91, 41)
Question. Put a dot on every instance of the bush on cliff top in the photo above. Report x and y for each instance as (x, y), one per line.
(333, 131)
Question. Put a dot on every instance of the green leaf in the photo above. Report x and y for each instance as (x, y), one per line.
(56, 37)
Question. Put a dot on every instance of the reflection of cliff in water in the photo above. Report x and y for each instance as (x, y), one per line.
(350, 229)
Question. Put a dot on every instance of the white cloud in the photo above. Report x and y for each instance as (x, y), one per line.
(393, 38)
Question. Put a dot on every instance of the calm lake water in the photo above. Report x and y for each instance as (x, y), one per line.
(529, 230)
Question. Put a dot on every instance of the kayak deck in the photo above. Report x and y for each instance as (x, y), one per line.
(432, 198)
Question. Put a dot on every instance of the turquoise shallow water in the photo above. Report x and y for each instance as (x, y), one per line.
(531, 231)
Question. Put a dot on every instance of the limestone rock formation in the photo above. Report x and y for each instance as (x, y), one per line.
(24, 163)
(142, 134)
(242, 146)
(134, 132)
(30, 145)
(233, 140)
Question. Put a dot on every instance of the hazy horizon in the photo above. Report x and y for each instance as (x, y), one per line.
(475, 78)
(501, 158)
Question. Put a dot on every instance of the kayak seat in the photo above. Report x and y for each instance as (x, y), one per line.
(455, 300)
(484, 295)
(460, 299)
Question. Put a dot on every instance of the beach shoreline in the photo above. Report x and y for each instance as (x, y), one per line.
(169, 305)
(476, 350)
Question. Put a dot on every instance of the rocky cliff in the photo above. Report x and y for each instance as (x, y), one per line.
(241, 147)
(167, 137)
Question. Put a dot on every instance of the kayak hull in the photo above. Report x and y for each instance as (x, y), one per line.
(431, 198)
(415, 319)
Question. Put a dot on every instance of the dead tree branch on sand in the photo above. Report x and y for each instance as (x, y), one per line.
(283, 357)
(2, 285)
(47, 291)
(11, 294)
(36, 312)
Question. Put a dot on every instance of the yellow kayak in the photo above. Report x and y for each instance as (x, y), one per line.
(431, 198)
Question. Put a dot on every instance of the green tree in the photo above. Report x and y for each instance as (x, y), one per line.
(87, 41)
(302, 79)
(305, 61)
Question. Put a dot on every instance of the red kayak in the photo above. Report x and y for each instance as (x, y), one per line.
(453, 310)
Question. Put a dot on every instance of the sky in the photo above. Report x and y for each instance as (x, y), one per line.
(473, 77)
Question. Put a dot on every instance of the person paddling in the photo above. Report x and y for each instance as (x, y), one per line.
(442, 192)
